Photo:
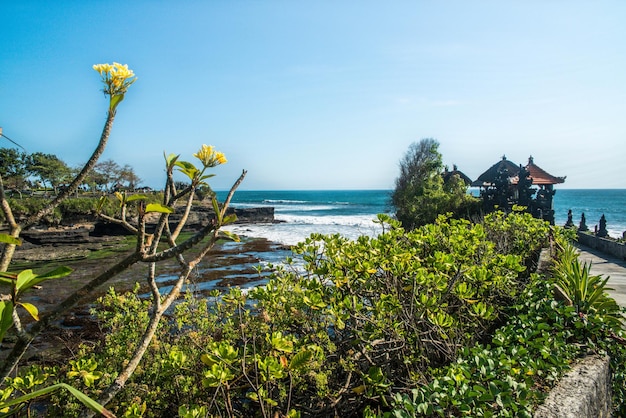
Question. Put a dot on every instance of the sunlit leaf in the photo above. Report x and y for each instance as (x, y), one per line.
(216, 208)
(299, 360)
(6, 317)
(8, 239)
(229, 219)
(84, 399)
(230, 235)
(115, 100)
(207, 359)
(100, 203)
(136, 197)
(157, 207)
(171, 159)
(27, 279)
(31, 309)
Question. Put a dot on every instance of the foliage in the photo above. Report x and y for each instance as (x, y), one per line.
(18, 392)
(421, 194)
(525, 358)
(85, 370)
(519, 234)
(110, 176)
(13, 167)
(49, 169)
(348, 330)
(75, 207)
(587, 292)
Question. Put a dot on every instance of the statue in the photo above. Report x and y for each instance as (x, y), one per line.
(583, 224)
(603, 232)
(569, 223)
(524, 190)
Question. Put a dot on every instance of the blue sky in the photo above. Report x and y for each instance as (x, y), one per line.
(323, 94)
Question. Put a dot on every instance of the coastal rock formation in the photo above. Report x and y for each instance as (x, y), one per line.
(58, 235)
(199, 217)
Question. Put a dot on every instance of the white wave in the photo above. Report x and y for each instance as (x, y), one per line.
(287, 208)
(292, 233)
(285, 201)
(335, 220)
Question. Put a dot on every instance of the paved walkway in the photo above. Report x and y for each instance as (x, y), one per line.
(607, 265)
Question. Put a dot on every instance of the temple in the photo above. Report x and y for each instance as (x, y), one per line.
(506, 184)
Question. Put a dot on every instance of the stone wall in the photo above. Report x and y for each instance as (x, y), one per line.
(604, 245)
(584, 392)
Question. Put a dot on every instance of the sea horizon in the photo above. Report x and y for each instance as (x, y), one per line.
(352, 212)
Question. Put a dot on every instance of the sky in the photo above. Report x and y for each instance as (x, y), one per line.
(322, 94)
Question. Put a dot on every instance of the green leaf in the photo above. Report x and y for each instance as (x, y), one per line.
(206, 176)
(84, 399)
(31, 309)
(229, 219)
(157, 207)
(208, 360)
(27, 279)
(299, 360)
(230, 235)
(8, 278)
(100, 203)
(57, 273)
(115, 100)
(24, 279)
(187, 169)
(136, 197)
(170, 159)
(6, 317)
(216, 209)
(8, 239)
(280, 343)
(8, 275)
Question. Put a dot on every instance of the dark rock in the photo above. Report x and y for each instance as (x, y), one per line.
(102, 229)
(200, 216)
(62, 236)
(254, 215)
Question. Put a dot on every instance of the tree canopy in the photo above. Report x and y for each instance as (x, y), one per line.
(21, 170)
(421, 194)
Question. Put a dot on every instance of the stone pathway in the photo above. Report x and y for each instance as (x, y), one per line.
(607, 265)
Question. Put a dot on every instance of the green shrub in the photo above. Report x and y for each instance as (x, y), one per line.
(431, 322)
(363, 321)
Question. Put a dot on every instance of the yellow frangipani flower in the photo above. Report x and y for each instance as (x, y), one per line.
(116, 78)
(221, 158)
(209, 157)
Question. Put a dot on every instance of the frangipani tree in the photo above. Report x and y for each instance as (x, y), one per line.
(117, 79)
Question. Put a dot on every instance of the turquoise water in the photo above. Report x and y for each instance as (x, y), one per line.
(593, 203)
(351, 212)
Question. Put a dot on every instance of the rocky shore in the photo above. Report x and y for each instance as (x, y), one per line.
(228, 264)
(77, 238)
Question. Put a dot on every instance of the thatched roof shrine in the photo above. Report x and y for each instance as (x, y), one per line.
(506, 184)
(539, 176)
(488, 178)
(447, 175)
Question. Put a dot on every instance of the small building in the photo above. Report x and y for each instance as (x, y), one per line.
(447, 175)
(506, 184)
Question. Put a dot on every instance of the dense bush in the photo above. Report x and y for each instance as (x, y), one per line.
(76, 207)
(22, 208)
(435, 321)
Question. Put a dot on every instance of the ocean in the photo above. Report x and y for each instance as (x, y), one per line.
(351, 212)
